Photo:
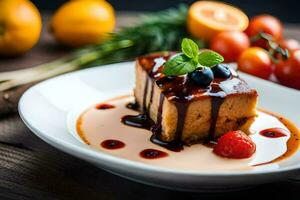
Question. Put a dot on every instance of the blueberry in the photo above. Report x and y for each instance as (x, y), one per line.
(221, 71)
(202, 76)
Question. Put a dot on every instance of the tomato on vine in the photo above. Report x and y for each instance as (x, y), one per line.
(256, 61)
(267, 24)
(230, 44)
(288, 72)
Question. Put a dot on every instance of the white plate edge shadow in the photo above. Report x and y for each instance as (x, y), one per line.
(95, 154)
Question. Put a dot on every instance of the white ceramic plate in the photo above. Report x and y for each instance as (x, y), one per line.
(46, 106)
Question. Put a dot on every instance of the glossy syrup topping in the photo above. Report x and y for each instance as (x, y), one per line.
(181, 91)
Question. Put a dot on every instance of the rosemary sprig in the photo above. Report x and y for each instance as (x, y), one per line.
(160, 31)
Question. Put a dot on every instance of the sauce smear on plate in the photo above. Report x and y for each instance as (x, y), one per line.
(112, 144)
(152, 154)
(274, 133)
(104, 127)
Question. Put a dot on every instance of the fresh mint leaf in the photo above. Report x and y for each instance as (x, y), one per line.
(179, 65)
(190, 59)
(209, 58)
(189, 48)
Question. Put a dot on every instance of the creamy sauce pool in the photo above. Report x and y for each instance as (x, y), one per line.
(100, 127)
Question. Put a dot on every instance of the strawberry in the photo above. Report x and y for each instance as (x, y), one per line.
(235, 144)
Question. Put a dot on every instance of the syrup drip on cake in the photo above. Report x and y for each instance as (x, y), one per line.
(156, 129)
(151, 94)
(217, 98)
(145, 95)
(181, 91)
(142, 120)
(174, 145)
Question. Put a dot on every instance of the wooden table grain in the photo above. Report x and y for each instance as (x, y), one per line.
(32, 169)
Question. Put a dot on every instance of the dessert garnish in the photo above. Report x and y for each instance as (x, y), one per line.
(202, 77)
(191, 59)
(221, 71)
(190, 97)
(235, 144)
(201, 66)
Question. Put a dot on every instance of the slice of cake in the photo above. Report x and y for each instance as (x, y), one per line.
(184, 111)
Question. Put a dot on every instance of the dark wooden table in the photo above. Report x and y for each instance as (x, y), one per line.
(32, 169)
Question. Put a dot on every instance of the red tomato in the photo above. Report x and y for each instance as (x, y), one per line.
(288, 72)
(267, 24)
(290, 44)
(230, 44)
(256, 61)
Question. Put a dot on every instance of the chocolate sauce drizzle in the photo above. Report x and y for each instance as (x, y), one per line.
(217, 98)
(174, 145)
(139, 121)
(145, 95)
(181, 91)
(133, 106)
(156, 129)
(151, 94)
(216, 103)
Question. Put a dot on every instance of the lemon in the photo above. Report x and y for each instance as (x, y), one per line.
(20, 26)
(82, 22)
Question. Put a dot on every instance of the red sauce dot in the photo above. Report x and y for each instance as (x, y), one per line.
(104, 106)
(274, 132)
(152, 154)
(112, 144)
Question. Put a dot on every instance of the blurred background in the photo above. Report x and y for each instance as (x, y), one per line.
(51, 29)
(286, 10)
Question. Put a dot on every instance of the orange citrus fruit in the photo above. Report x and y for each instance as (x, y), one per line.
(78, 23)
(20, 26)
(208, 18)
